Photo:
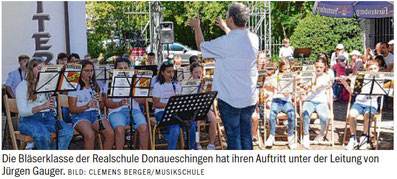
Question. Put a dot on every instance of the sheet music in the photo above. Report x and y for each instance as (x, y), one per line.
(183, 73)
(100, 72)
(306, 80)
(143, 80)
(261, 78)
(308, 68)
(363, 83)
(209, 70)
(285, 82)
(48, 78)
(121, 83)
(190, 86)
(70, 78)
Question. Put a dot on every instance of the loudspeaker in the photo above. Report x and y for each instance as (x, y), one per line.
(167, 32)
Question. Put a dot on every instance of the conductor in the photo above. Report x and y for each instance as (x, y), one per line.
(235, 73)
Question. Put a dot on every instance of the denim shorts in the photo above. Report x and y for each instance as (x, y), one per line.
(362, 109)
(90, 116)
(122, 118)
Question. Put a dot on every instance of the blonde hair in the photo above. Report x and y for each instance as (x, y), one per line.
(31, 79)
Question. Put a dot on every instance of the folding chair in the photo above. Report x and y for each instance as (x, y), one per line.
(63, 103)
(156, 130)
(11, 107)
(218, 126)
(314, 117)
(376, 120)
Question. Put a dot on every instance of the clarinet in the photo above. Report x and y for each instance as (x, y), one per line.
(54, 111)
(101, 127)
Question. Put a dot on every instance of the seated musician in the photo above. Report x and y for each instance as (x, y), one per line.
(362, 105)
(282, 102)
(37, 112)
(166, 87)
(84, 109)
(119, 114)
(317, 101)
(197, 70)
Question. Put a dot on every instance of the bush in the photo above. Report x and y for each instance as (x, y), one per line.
(322, 34)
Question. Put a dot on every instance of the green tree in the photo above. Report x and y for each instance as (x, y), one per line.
(322, 34)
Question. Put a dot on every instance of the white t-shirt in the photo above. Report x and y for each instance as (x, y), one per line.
(274, 83)
(334, 57)
(389, 60)
(236, 71)
(83, 96)
(135, 105)
(164, 92)
(286, 51)
(321, 94)
(24, 105)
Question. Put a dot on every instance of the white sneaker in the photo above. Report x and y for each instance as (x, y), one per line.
(363, 143)
(211, 147)
(270, 141)
(291, 142)
(319, 138)
(29, 146)
(352, 144)
(306, 141)
(199, 147)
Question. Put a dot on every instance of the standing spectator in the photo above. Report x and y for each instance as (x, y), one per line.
(357, 63)
(340, 70)
(17, 76)
(340, 50)
(389, 58)
(62, 59)
(235, 74)
(286, 50)
(391, 46)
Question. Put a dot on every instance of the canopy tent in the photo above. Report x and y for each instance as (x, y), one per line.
(358, 9)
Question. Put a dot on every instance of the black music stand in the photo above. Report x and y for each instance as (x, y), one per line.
(185, 109)
(129, 88)
(49, 87)
(372, 82)
(302, 53)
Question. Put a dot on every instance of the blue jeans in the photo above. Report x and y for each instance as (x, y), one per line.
(322, 112)
(66, 115)
(40, 126)
(237, 122)
(362, 109)
(122, 118)
(337, 87)
(285, 106)
(172, 132)
(90, 116)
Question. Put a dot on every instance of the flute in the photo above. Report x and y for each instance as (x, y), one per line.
(101, 127)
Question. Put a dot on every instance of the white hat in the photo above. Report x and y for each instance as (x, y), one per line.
(355, 52)
(391, 42)
(340, 46)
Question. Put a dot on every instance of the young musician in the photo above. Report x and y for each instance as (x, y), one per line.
(317, 101)
(37, 112)
(166, 87)
(362, 105)
(83, 106)
(282, 102)
(197, 72)
(119, 114)
(17, 76)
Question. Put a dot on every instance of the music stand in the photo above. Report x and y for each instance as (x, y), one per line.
(302, 53)
(369, 84)
(147, 67)
(53, 80)
(185, 109)
(124, 85)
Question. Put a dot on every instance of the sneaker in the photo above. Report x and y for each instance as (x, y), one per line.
(363, 142)
(211, 147)
(306, 141)
(29, 146)
(319, 138)
(352, 144)
(291, 142)
(199, 147)
(270, 141)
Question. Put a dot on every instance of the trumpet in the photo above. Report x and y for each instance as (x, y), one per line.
(101, 127)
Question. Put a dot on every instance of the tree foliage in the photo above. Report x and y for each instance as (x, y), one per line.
(322, 34)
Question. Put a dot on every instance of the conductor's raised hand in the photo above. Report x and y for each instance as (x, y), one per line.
(195, 23)
(220, 23)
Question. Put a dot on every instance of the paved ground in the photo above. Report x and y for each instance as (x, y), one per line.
(385, 140)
